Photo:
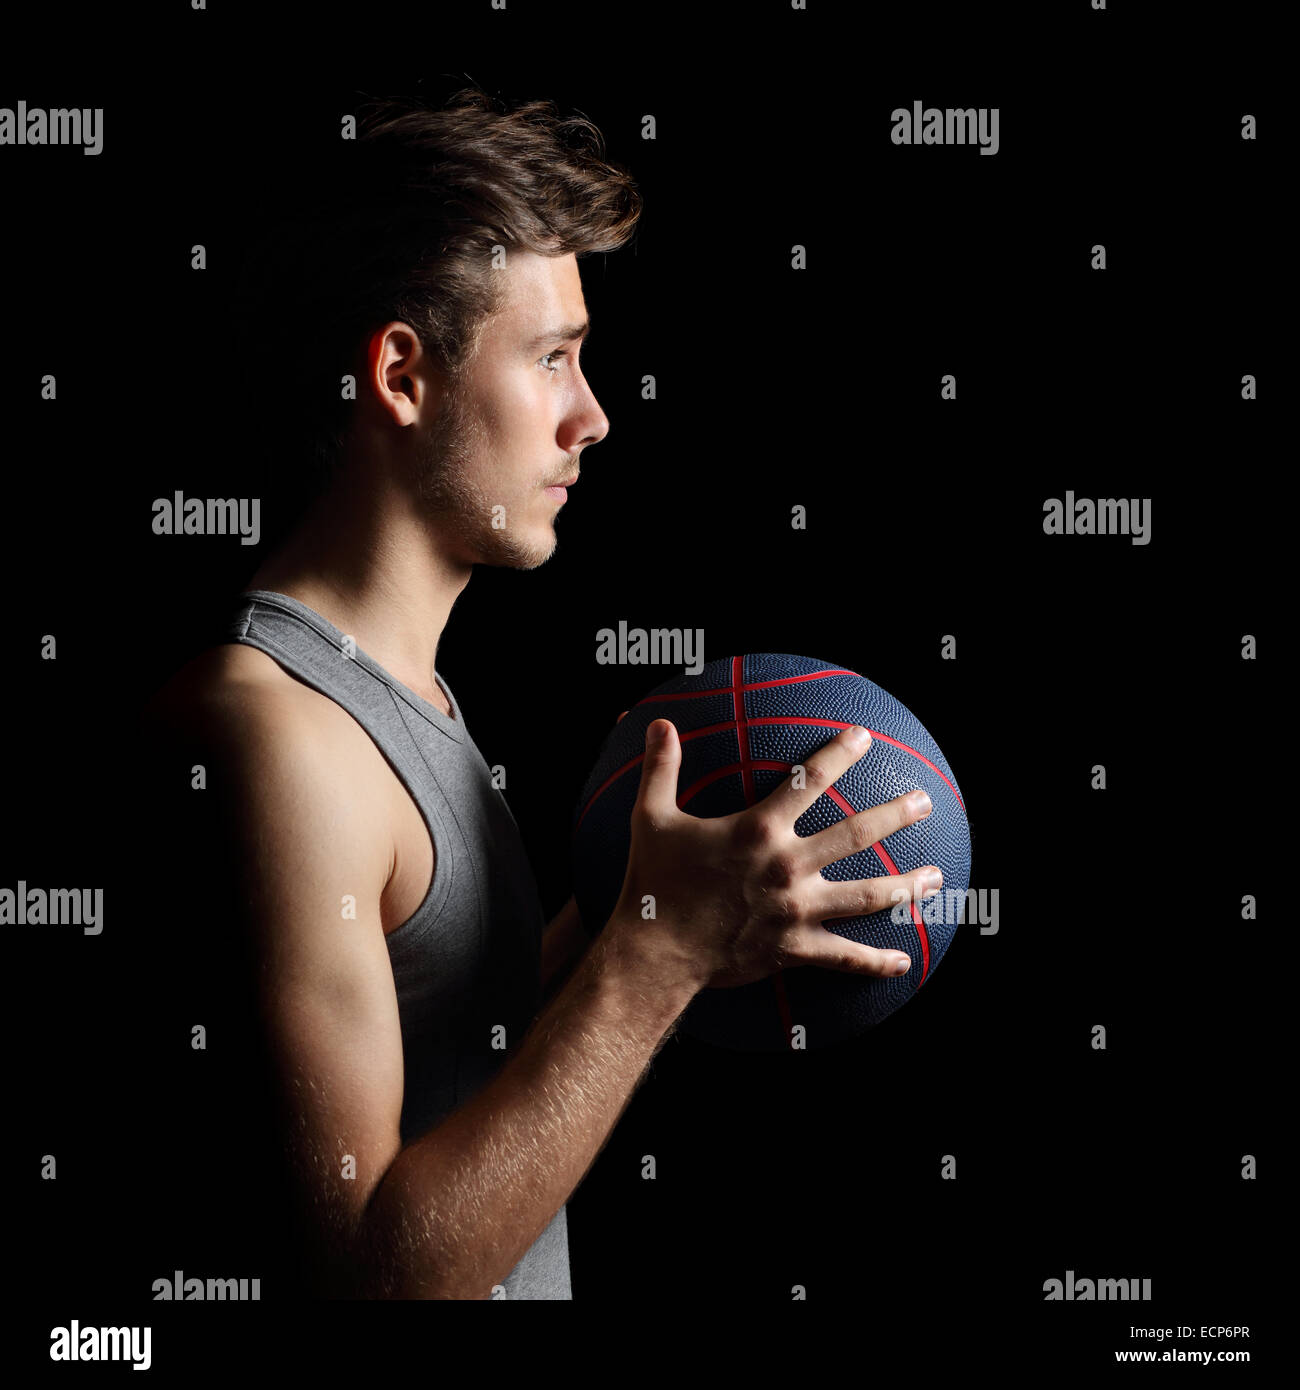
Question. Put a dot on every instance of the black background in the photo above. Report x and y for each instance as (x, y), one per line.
(776, 388)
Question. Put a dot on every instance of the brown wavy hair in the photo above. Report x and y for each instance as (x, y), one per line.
(406, 229)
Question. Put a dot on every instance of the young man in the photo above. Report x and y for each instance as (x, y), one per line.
(435, 1124)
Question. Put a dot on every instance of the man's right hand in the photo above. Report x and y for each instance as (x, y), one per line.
(739, 897)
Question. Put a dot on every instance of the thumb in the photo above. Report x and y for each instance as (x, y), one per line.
(663, 757)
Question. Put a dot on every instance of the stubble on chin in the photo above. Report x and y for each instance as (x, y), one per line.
(457, 504)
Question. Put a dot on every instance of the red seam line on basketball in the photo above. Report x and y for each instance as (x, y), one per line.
(836, 724)
(713, 776)
(627, 767)
(753, 685)
(742, 734)
(776, 719)
(883, 855)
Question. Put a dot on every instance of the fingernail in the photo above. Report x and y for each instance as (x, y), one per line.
(858, 736)
(932, 880)
(654, 734)
(919, 802)
(902, 965)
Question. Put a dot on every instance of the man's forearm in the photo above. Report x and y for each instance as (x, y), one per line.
(458, 1208)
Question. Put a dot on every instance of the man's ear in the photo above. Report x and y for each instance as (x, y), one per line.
(397, 373)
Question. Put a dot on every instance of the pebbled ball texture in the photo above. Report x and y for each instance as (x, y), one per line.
(743, 722)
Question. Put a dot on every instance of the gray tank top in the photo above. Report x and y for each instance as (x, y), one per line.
(467, 961)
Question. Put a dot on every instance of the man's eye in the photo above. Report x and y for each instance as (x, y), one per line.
(560, 352)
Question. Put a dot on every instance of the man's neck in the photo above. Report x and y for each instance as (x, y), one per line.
(370, 565)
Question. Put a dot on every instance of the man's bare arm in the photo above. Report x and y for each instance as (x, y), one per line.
(451, 1213)
(458, 1208)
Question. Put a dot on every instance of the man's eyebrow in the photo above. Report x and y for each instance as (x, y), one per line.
(566, 333)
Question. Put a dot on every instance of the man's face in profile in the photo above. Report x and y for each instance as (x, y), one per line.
(517, 423)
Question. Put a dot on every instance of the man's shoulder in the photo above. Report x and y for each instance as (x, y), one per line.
(291, 764)
(234, 690)
(237, 705)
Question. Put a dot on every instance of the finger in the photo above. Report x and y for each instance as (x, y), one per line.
(860, 897)
(657, 794)
(787, 802)
(864, 829)
(619, 720)
(817, 946)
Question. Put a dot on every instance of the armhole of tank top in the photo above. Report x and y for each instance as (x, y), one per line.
(419, 923)
(416, 926)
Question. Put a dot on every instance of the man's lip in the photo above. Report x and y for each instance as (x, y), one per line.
(569, 483)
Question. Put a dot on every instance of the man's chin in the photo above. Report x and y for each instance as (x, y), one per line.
(513, 555)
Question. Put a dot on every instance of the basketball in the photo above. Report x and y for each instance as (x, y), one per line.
(744, 723)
